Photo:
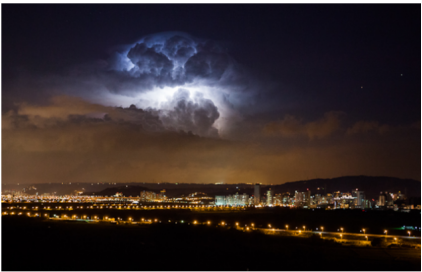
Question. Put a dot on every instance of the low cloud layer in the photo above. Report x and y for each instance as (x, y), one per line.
(85, 142)
(291, 126)
(367, 126)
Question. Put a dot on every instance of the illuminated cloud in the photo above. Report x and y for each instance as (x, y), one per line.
(150, 73)
(196, 114)
(291, 126)
(366, 126)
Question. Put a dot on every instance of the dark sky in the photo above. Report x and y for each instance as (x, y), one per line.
(234, 93)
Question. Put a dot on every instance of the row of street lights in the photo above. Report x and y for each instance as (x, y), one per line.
(208, 223)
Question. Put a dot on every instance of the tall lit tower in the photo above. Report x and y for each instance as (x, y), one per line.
(269, 197)
(257, 194)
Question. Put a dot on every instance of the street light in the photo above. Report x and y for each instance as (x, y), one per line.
(363, 231)
(322, 228)
(408, 233)
(303, 227)
(287, 227)
(366, 238)
(341, 230)
(269, 225)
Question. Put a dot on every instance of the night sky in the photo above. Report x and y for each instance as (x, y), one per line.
(210, 93)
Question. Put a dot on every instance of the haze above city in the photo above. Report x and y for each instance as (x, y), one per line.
(204, 94)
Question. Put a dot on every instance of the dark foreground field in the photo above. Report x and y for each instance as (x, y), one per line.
(32, 244)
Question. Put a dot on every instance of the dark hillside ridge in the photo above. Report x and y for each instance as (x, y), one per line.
(125, 190)
(372, 186)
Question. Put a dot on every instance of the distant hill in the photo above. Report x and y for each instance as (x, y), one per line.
(126, 190)
(372, 186)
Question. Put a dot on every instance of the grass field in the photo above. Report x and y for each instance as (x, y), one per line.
(32, 244)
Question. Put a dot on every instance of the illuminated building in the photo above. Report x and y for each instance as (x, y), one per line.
(360, 197)
(220, 200)
(299, 196)
(257, 194)
(245, 199)
(317, 199)
(162, 194)
(308, 198)
(269, 197)
(277, 199)
(381, 201)
(286, 199)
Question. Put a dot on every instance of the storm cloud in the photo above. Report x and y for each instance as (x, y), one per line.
(268, 106)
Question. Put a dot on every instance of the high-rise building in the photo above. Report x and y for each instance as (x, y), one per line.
(359, 199)
(389, 199)
(329, 199)
(220, 200)
(299, 197)
(269, 197)
(317, 199)
(286, 199)
(401, 196)
(366, 204)
(162, 194)
(308, 198)
(257, 194)
(244, 199)
(277, 199)
(381, 201)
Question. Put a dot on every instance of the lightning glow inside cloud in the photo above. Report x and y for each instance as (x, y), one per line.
(193, 79)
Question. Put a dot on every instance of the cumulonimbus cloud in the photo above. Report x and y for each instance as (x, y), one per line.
(151, 72)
